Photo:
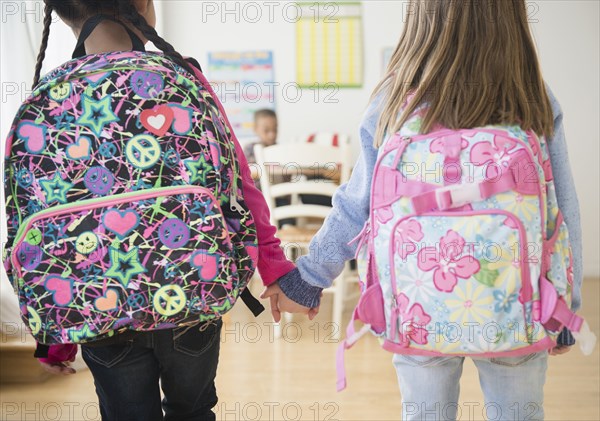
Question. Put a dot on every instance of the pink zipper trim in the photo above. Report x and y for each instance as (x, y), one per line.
(525, 273)
(526, 287)
(108, 202)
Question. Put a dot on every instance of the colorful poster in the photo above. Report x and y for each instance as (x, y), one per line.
(244, 82)
(329, 45)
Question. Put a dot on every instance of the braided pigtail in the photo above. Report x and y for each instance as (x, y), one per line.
(129, 12)
(45, 35)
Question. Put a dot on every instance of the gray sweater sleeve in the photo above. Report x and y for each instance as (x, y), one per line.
(567, 196)
(329, 249)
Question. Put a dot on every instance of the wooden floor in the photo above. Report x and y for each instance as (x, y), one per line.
(262, 378)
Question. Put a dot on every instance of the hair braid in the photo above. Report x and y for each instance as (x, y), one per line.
(129, 12)
(45, 35)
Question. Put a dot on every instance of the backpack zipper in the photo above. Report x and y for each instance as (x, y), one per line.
(234, 205)
(101, 202)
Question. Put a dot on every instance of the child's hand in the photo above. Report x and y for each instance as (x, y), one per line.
(559, 350)
(62, 368)
(281, 303)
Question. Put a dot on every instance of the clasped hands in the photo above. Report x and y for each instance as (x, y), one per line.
(280, 303)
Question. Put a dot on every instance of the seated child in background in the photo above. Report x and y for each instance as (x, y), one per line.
(265, 127)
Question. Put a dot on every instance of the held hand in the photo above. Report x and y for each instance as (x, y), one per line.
(559, 350)
(281, 303)
(63, 368)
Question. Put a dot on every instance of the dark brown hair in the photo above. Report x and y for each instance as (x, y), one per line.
(124, 10)
(264, 113)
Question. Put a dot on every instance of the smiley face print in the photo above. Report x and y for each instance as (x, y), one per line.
(86, 243)
(60, 92)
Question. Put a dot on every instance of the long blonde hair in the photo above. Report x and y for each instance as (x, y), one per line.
(473, 63)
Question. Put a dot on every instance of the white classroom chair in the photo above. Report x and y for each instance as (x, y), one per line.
(281, 176)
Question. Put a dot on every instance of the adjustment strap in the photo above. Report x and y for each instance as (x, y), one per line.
(251, 302)
(458, 195)
(566, 317)
(41, 351)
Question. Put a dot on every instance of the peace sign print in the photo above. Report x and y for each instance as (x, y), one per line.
(169, 300)
(147, 84)
(143, 151)
(34, 320)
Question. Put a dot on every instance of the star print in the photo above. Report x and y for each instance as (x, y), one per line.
(197, 209)
(124, 266)
(202, 208)
(141, 185)
(63, 120)
(222, 308)
(92, 273)
(55, 232)
(56, 189)
(97, 114)
(198, 169)
(58, 120)
(84, 332)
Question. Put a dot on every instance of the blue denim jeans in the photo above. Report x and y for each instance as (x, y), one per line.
(512, 387)
(127, 374)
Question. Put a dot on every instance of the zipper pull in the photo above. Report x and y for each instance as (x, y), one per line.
(235, 206)
(406, 140)
(363, 232)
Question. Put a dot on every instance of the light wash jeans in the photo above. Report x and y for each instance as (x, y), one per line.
(513, 388)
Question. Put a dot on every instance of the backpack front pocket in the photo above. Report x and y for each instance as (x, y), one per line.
(145, 260)
(463, 290)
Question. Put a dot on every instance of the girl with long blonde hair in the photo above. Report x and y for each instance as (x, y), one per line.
(458, 65)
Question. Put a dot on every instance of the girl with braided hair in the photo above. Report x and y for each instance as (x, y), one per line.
(127, 366)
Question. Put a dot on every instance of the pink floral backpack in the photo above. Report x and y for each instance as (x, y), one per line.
(465, 251)
(124, 201)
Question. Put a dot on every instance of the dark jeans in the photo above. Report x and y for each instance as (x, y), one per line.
(126, 375)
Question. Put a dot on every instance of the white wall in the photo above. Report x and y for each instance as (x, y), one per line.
(567, 34)
(382, 24)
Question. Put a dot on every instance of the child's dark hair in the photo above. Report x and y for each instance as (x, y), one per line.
(264, 113)
(79, 10)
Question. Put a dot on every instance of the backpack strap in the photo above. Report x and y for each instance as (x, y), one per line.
(352, 336)
(454, 196)
(194, 63)
(458, 195)
(91, 24)
(41, 351)
(251, 302)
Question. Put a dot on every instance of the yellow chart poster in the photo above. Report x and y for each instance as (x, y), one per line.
(329, 44)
